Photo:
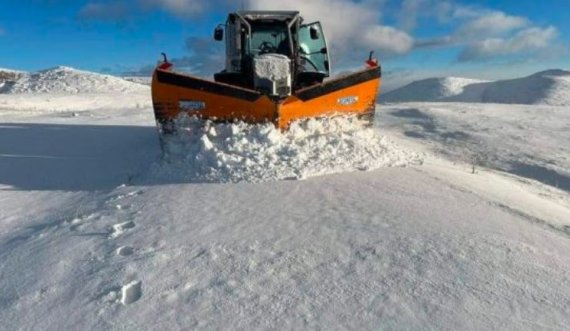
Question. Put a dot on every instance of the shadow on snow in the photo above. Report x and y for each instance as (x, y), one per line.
(74, 157)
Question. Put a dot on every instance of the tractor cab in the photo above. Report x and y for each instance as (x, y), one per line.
(272, 51)
(275, 70)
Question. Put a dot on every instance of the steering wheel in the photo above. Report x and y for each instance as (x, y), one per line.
(267, 47)
(310, 62)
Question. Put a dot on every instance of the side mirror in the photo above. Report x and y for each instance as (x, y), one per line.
(314, 32)
(219, 33)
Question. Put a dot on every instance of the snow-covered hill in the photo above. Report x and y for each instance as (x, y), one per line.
(431, 89)
(551, 87)
(8, 75)
(145, 80)
(64, 89)
(65, 80)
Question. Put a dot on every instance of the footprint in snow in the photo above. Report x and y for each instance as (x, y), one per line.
(123, 196)
(121, 207)
(125, 251)
(131, 292)
(75, 223)
(78, 221)
(120, 228)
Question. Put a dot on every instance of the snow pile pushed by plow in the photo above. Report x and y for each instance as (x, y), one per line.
(272, 66)
(235, 152)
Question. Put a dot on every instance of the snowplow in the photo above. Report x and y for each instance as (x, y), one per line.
(277, 69)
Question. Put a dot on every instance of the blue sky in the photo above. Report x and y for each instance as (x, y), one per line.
(413, 38)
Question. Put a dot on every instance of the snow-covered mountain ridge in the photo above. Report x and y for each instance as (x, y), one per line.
(550, 87)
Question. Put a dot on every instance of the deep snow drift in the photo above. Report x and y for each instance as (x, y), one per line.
(551, 87)
(255, 153)
(98, 232)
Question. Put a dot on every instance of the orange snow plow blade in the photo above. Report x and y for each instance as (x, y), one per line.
(175, 93)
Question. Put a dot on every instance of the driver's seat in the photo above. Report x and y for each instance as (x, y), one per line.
(308, 78)
(232, 78)
(268, 47)
(283, 48)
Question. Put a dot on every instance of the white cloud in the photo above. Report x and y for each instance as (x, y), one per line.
(352, 28)
(444, 41)
(528, 40)
(492, 24)
(106, 12)
(388, 38)
(122, 9)
(443, 10)
(485, 34)
(465, 12)
(409, 13)
(178, 7)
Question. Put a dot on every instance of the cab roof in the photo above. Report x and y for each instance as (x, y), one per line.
(268, 15)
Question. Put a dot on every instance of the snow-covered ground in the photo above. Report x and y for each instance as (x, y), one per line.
(145, 80)
(388, 228)
(529, 141)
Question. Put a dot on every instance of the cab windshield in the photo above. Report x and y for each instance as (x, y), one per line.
(269, 38)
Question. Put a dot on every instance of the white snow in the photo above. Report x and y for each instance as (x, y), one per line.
(145, 80)
(72, 92)
(255, 153)
(73, 105)
(131, 292)
(525, 140)
(551, 87)
(120, 228)
(67, 80)
(272, 66)
(98, 232)
(10, 72)
(7, 76)
(125, 251)
(431, 89)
